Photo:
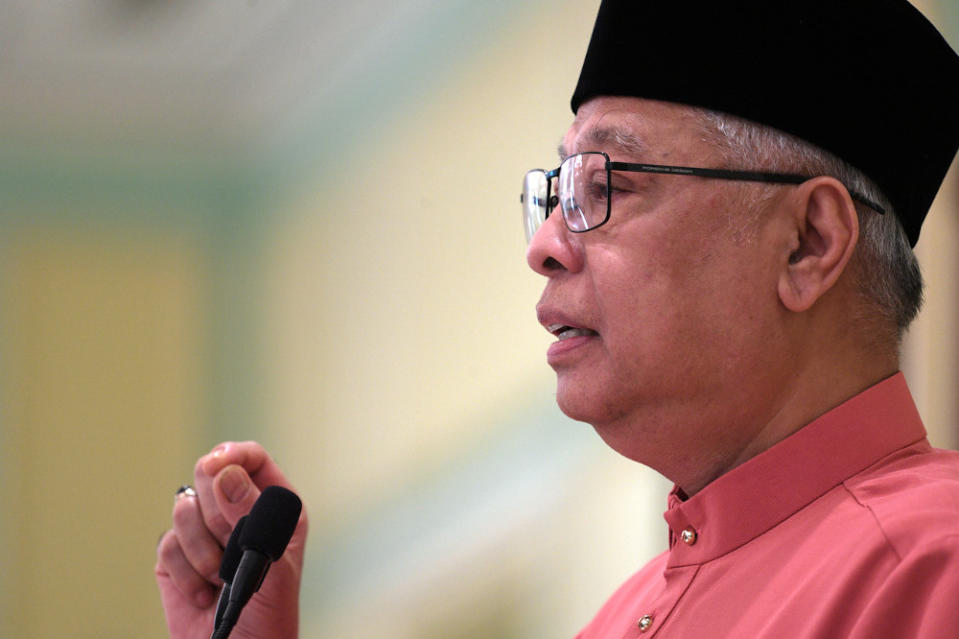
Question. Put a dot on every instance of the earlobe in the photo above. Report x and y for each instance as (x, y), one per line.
(826, 231)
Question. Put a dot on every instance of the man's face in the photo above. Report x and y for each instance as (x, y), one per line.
(672, 303)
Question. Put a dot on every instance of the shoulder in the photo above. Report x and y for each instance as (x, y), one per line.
(913, 498)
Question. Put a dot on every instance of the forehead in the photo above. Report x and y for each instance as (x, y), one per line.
(635, 128)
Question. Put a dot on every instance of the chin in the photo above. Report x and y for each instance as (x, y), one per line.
(629, 434)
(592, 408)
(573, 404)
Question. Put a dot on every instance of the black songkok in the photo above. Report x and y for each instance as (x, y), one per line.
(871, 81)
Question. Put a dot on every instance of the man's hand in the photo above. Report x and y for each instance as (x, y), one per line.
(227, 481)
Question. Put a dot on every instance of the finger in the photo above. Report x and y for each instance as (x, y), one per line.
(233, 494)
(173, 565)
(248, 455)
(216, 521)
(224, 496)
(235, 491)
(199, 546)
(252, 457)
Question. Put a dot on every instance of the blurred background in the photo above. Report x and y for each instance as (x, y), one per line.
(298, 221)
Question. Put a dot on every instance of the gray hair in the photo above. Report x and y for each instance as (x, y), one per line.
(888, 279)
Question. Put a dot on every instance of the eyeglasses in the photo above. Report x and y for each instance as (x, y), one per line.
(585, 184)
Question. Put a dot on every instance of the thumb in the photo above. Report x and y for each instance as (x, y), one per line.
(235, 493)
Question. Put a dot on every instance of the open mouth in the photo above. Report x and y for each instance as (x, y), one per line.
(563, 331)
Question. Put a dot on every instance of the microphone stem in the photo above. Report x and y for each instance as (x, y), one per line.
(226, 623)
(221, 604)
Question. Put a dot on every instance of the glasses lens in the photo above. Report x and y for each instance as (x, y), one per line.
(583, 191)
(535, 187)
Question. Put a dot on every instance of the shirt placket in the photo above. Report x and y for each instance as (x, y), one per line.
(652, 615)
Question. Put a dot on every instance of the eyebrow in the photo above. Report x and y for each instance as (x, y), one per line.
(618, 138)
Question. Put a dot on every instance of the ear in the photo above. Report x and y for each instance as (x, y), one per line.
(826, 232)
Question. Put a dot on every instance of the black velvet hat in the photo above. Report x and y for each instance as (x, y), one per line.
(871, 81)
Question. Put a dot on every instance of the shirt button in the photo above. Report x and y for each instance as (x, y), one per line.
(689, 536)
(645, 623)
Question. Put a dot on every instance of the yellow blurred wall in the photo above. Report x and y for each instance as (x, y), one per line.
(102, 391)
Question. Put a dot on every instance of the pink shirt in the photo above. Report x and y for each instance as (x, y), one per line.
(847, 529)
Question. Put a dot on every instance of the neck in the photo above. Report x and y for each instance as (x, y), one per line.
(822, 375)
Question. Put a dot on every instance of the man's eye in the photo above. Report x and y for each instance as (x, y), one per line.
(597, 191)
(600, 191)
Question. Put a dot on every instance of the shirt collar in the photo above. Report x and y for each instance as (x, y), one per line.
(757, 495)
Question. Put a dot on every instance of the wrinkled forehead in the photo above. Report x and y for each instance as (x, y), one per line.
(634, 129)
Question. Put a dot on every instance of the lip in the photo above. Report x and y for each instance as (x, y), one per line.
(571, 334)
(561, 351)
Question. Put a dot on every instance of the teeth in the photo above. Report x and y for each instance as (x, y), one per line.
(565, 332)
(573, 332)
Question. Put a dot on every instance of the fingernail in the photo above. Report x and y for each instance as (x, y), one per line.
(234, 483)
(212, 461)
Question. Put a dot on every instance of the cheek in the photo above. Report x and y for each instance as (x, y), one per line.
(675, 321)
(683, 295)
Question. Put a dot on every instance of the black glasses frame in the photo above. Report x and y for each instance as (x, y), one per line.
(718, 174)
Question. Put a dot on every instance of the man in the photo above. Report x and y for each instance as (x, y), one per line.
(727, 247)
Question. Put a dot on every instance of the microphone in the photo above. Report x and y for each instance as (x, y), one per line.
(264, 537)
(231, 560)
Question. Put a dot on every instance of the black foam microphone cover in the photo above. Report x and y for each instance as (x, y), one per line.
(262, 539)
(271, 522)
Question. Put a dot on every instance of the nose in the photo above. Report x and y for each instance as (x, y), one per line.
(554, 249)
